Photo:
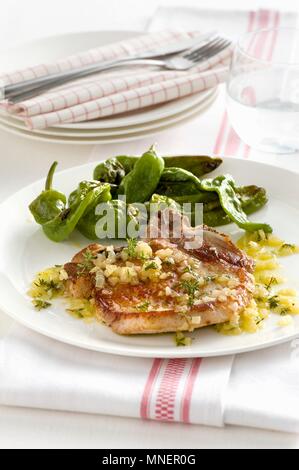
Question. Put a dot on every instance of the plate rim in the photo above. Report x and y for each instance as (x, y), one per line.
(52, 139)
(139, 351)
(9, 120)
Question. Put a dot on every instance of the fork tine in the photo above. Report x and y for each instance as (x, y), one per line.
(190, 53)
(205, 52)
(209, 50)
(213, 51)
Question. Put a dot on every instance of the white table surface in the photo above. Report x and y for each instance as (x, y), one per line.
(23, 161)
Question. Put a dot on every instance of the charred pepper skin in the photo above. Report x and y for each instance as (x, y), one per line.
(140, 183)
(224, 186)
(58, 220)
(111, 169)
(49, 203)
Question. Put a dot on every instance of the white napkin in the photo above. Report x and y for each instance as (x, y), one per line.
(36, 371)
(260, 390)
(106, 94)
(263, 390)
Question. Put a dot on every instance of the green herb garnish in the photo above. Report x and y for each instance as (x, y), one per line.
(190, 287)
(76, 312)
(132, 243)
(40, 304)
(151, 265)
(87, 264)
(144, 306)
(273, 302)
(47, 285)
(288, 245)
(284, 311)
(273, 281)
(287, 248)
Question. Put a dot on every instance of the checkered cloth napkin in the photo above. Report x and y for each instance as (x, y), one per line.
(114, 93)
(258, 389)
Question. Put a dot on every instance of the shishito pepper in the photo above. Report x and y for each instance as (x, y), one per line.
(58, 220)
(113, 169)
(49, 203)
(101, 193)
(225, 187)
(140, 183)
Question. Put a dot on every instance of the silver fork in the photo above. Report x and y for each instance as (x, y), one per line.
(180, 62)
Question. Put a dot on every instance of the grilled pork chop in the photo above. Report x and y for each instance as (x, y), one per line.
(159, 285)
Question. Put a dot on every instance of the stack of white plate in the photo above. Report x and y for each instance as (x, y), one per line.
(124, 127)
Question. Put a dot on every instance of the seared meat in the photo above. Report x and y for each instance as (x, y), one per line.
(162, 285)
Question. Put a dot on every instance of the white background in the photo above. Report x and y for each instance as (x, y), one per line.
(29, 19)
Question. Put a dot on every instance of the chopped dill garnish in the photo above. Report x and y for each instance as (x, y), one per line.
(47, 285)
(284, 311)
(40, 304)
(188, 269)
(190, 287)
(288, 245)
(273, 281)
(76, 312)
(144, 306)
(273, 301)
(87, 264)
(151, 265)
(132, 243)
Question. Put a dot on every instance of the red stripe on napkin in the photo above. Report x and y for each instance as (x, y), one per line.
(187, 396)
(166, 397)
(147, 393)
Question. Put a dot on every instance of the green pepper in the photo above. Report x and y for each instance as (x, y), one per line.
(140, 183)
(50, 211)
(101, 193)
(109, 171)
(162, 202)
(60, 227)
(179, 175)
(197, 164)
(252, 198)
(177, 182)
(123, 215)
(224, 186)
(49, 203)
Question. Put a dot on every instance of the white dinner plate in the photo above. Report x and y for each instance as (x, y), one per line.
(25, 250)
(53, 48)
(133, 134)
(18, 123)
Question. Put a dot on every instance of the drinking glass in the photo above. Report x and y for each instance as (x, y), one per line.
(263, 90)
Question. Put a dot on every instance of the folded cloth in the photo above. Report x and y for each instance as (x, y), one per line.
(118, 50)
(261, 390)
(103, 95)
(258, 389)
(39, 372)
(160, 89)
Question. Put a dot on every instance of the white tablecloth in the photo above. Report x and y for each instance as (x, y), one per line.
(21, 154)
